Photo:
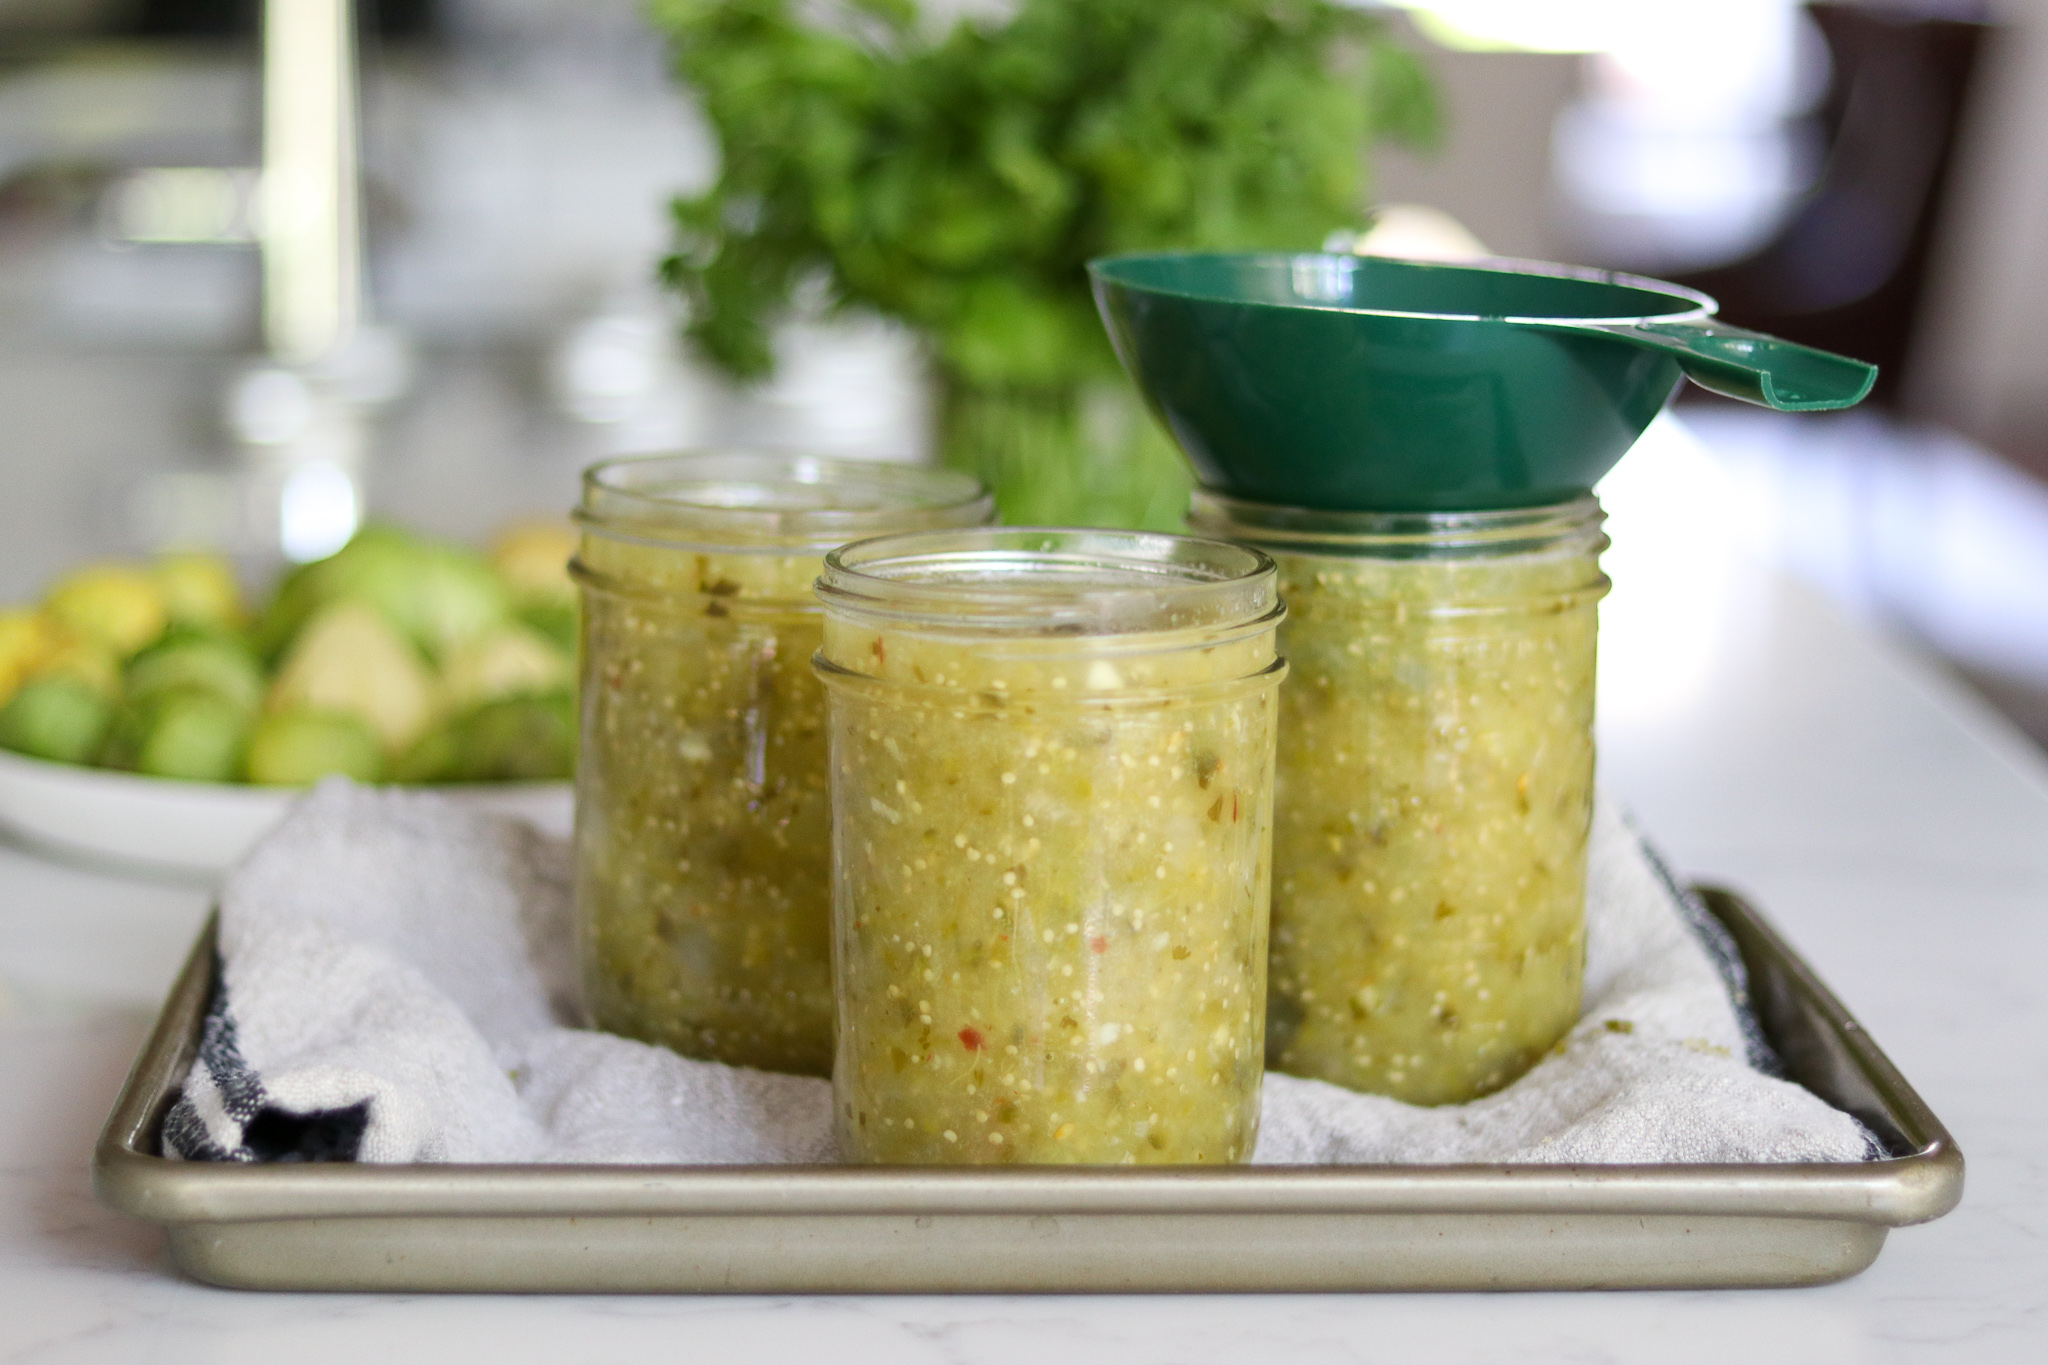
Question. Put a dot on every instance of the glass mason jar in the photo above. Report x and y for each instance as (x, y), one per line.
(1434, 791)
(1052, 765)
(703, 822)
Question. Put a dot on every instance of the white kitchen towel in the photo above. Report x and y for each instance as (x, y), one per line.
(397, 985)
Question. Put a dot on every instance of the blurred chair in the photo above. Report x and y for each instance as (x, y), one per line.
(1848, 271)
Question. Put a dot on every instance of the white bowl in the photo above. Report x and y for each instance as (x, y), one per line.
(197, 826)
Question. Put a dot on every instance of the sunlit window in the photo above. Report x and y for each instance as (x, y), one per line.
(1688, 147)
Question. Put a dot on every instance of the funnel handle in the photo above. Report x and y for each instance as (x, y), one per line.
(1750, 366)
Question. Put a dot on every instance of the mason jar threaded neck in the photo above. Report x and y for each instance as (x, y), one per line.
(768, 502)
(1401, 535)
(1052, 583)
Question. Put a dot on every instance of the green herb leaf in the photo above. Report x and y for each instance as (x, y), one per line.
(960, 181)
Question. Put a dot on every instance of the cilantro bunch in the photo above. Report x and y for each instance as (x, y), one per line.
(960, 181)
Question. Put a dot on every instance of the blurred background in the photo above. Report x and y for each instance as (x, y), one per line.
(1867, 177)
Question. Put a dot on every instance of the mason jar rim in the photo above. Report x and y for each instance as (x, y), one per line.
(740, 500)
(1053, 581)
(1310, 530)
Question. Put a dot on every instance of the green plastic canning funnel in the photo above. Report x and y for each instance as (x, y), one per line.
(1370, 384)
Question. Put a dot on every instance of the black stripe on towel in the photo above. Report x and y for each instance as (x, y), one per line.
(249, 1127)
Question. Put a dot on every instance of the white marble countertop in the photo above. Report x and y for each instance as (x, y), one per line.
(1894, 828)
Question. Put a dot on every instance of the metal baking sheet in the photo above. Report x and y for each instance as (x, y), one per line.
(918, 1229)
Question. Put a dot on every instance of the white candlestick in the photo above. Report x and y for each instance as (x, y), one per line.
(311, 230)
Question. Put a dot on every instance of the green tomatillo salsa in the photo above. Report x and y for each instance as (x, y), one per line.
(1052, 772)
(1433, 798)
(703, 829)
